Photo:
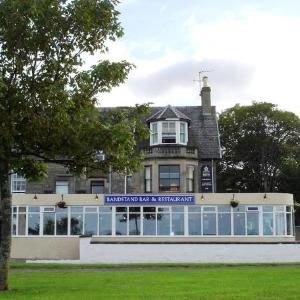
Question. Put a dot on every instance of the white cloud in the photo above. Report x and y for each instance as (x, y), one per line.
(254, 56)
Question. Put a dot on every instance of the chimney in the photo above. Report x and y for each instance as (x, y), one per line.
(205, 97)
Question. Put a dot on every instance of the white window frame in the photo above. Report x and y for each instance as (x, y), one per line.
(159, 133)
(20, 179)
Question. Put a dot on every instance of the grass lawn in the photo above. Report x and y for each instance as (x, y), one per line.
(156, 281)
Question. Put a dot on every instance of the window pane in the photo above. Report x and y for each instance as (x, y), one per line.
(105, 222)
(209, 224)
(33, 224)
(194, 224)
(149, 223)
(177, 224)
(48, 228)
(62, 187)
(121, 224)
(90, 224)
(289, 224)
(22, 224)
(76, 224)
(169, 178)
(280, 226)
(97, 187)
(163, 224)
(239, 224)
(62, 223)
(268, 224)
(224, 224)
(134, 224)
(252, 223)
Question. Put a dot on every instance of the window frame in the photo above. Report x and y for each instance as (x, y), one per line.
(147, 179)
(159, 179)
(15, 178)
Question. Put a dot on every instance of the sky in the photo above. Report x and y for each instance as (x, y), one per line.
(251, 48)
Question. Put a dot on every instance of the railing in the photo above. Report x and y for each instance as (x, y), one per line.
(171, 151)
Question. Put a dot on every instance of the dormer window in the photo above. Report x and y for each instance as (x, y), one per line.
(168, 132)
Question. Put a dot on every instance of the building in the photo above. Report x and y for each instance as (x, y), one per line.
(171, 199)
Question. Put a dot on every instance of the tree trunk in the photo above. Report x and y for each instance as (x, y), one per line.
(5, 225)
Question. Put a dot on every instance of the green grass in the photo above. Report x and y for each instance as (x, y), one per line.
(153, 281)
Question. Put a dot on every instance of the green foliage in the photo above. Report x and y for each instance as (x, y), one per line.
(261, 149)
(47, 101)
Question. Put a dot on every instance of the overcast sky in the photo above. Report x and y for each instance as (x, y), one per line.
(251, 47)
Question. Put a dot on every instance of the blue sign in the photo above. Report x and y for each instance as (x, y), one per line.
(146, 199)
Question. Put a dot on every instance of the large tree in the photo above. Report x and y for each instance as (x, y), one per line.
(47, 98)
(261, 149)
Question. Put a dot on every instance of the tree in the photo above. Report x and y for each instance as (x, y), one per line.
(261, 149)
(47, 99)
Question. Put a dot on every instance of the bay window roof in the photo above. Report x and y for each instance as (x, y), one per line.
(167, 113)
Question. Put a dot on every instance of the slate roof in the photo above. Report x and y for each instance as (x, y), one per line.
(203, 130)
(168, 112)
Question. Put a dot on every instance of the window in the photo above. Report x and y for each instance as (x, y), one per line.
(190, 179)
(182, 133)
(62, 187)
(169, 178)
(18, 183)
(148, 179)
(154, 134)
(97, 187)
(168, 132)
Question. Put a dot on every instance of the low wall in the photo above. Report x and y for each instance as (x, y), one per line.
(45, 248)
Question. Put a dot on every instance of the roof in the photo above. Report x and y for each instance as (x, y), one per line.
(203, 128)
(168, 112)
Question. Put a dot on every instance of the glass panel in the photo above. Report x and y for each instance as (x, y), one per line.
(163, 224)
(62, 223)
(134, 209)
(267, 208)
(90, 224)
(134, 224)
(49, 220)
(224, 224)
(22, 224)
(209, 208)
(209, 224)
(62, 187)
(239, 224)
(14, 224)
(149, 223)
(252, 223)
(105, 224)
(177, 224)
(280, 226)
(97, 187)
(194, 224)
(34, 209)
(165, 209)
(105, 209)
(76, 224)
(121, 224)
(33, 224)
(279, 208)
(22, 209)
(148, 209)
(194, 209)
(224, 208)
(121, 209)
(289, 224)
(76, 209)
(91, 209)
(268, 224)
(177, 209)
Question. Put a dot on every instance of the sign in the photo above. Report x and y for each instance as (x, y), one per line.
(146, 199)
(206, 179)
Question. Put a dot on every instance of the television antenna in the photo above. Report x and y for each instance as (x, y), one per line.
(199, 80)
